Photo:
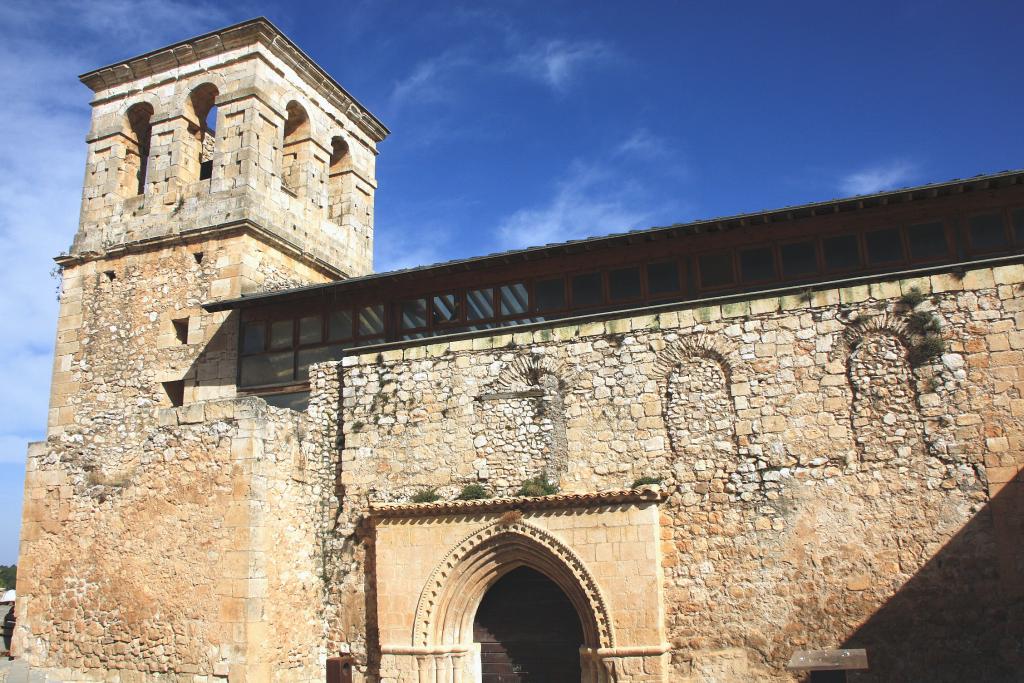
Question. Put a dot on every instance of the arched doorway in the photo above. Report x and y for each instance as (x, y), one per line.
(528, 631)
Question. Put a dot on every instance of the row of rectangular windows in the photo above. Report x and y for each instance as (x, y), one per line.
(281, 351)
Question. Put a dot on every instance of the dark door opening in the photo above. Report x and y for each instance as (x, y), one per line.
(528, 631)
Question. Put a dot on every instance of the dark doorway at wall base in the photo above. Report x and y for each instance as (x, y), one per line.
(528, 631)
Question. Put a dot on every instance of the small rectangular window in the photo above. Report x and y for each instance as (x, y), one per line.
(1018, 226)
(987, 232)
(927, 241)
(757, 265)
(884, 246)
(662, 278)
(624, 284)
(180, 330)
(311, 329)
(798, 259)
(339, 325)
(281, 334)
(586, 290)
(175, 392)
(254, 337)
(549, 295)
(716, 270)
(480, 304)
(447, 308)
(841, 252)
(414, 314)
(514, 299)
(371, 320)
(267, 368)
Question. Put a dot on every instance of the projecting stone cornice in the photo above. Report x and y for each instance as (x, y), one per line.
(645, 494)
(258, 31)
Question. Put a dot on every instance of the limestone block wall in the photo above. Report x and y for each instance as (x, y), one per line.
(252, 87)
(827, 488)
(199, 561)
(131, 322)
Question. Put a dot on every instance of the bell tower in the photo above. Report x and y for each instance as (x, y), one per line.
(222, 165)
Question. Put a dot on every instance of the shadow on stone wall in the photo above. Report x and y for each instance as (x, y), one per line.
(961, 617)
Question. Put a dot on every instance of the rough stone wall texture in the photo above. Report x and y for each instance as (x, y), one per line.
(116, 339)
(195, 556)
(251, 87)
(825, 491)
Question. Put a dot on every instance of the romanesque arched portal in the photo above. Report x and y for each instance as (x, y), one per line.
(436, 563)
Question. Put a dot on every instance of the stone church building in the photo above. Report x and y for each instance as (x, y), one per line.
(678, 454)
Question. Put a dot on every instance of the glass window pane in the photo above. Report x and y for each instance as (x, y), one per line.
(624, 283)
(268, 368)
(1018, 226)
(296, 400)
(798, 259)
(757, 264)
(586, 290)
(841, 252)
(987, 232)
(884, 246)
(549, 295)
(311, 329)
(371, 320)
(253, 337)
(281, 334)
(480, 303)
(927, 240)
(339, 325)
(307, 357)
(414, 314)
(662, 278)
(514, 299)
(446, 308)
(716, 270)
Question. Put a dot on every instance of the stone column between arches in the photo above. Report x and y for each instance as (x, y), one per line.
(434, 563)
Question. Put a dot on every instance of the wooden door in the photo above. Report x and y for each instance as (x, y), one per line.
(528, 631)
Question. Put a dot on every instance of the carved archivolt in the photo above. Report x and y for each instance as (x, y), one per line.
(448, 603)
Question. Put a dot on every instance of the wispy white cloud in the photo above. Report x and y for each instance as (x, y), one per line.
(646, 146)
(557, 63)
(431, 80)
(878, 178)
(590, 200)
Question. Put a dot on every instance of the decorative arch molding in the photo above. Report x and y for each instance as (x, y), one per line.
(712, 347)
(866, 326)
(454, 589)
(527, 371)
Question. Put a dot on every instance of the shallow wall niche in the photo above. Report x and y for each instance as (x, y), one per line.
(884, 411)
(699, 410)
(520, 427)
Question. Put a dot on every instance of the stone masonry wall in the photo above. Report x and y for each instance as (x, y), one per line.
(199, 561)
(116, 339)
(825, 490)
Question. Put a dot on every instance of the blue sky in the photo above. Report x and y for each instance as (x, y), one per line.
(518, 123)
